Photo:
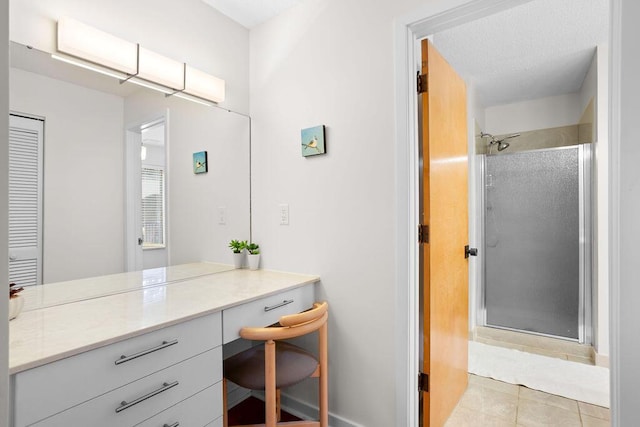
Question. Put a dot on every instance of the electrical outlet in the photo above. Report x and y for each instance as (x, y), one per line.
(284, 214)
(222, 215)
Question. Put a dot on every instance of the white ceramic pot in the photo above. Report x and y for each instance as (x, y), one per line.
(254, 261)
(238, 259)
(15, 306)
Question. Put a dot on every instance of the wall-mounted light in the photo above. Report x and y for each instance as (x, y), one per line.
(131, 62)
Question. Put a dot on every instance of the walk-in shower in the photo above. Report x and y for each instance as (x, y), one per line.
(536, 232)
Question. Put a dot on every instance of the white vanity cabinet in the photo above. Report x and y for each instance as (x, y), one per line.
(128, 382)
(142, 358)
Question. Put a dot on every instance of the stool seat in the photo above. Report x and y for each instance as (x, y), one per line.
(293, 364)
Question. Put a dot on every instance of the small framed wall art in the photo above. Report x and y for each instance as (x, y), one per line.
(200, 162)
(313, 142)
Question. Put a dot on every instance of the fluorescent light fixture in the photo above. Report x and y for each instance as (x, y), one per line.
(82, 41)
(160, 69)
(203, 85)
(101, 52)
(88, 66)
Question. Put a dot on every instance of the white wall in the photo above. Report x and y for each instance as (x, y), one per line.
(194, 232)
(331, 62)
(187, 30)
(543, 113)
(83, 174)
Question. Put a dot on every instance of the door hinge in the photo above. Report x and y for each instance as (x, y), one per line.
(422, 83)
(423, 233)
(423, 382)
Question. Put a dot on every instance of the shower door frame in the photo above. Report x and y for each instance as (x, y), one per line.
(585, 235)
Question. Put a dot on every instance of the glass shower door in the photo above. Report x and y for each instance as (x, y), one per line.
(532, 241)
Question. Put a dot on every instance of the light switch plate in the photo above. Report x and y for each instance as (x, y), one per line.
(284, 214)
(222, 215)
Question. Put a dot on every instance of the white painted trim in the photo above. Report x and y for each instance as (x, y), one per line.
(306, 411)
(615, 43)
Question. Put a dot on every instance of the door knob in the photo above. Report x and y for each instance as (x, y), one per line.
(470, 251)
(140, 240)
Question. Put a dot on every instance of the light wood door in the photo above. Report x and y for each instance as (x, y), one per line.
(445, 211)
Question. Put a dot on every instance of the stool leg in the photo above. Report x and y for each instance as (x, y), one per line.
(278, 405)
(225, 420)
(270, 383)
(324, 376)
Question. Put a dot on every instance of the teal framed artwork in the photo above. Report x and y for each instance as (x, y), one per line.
(200, 162)
(313, 141)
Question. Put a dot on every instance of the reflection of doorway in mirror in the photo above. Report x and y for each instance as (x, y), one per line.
(153, 195)
(26, 135)
(146, 168)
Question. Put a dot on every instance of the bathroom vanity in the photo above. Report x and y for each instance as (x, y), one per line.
(150, 355)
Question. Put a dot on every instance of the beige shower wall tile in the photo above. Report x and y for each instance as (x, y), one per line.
(594, 422)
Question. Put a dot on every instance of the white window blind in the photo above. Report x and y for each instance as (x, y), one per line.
(153, 207)
(25, 200)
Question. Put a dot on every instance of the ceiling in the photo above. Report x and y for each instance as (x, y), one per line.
(250, 13)
(538, 49)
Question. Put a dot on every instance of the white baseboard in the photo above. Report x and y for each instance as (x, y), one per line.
(306, 411)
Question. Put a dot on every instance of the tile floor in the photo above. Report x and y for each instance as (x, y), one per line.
(491, 403)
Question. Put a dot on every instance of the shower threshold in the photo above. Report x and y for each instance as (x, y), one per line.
(535, 343)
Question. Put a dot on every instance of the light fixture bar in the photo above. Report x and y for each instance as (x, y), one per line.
(102, 52)
(88, 66)
(191, 98)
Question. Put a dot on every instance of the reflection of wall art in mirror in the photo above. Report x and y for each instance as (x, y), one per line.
(313, 141)
(200, 162)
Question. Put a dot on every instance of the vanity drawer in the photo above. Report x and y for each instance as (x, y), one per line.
(142, 399)
(265, 311)
(52, 388)
(197, 411)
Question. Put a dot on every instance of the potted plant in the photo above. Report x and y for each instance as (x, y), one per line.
(254, 255)
(16, 302)
(237, 247)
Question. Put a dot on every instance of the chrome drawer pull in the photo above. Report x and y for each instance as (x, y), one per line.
(126, 405)
(176, 424)
(273, 307)
(164, 344)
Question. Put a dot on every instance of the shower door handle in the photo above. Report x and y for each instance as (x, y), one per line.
(470, 251)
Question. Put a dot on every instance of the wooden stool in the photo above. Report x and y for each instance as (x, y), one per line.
(276, 365)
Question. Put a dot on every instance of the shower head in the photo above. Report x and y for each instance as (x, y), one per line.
(502, 145)
(500, 142)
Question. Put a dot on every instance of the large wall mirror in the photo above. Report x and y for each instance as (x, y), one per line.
(94, 128)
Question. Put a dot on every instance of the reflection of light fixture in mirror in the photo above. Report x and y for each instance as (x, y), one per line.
(91, 67)
(143, 152)
(139, 65)
(203, 85)
(82, 41)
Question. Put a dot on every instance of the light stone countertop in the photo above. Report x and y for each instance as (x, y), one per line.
(44, 335)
